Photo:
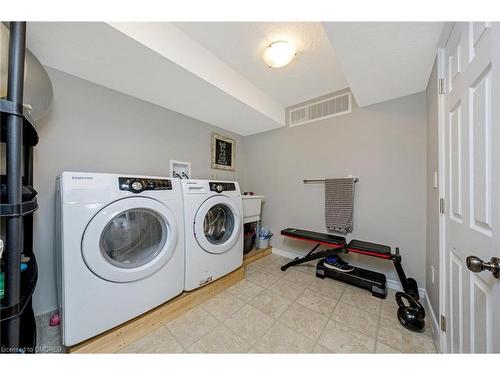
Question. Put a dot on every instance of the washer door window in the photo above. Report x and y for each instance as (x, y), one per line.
(217, 224)
(129, 239)
(133, 238)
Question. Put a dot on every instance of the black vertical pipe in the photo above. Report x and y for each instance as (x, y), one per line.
(28, 165)
(28, 219)
(15, 88)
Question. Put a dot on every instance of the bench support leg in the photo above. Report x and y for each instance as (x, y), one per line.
(409, 285)
(311, 255)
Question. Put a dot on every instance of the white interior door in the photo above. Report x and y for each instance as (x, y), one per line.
(471, 175)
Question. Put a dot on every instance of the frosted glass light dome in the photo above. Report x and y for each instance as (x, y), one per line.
(279, 54)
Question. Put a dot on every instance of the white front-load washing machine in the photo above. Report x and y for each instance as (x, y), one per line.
(214, 230)
(120, 249)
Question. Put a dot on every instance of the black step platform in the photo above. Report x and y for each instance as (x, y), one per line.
(374, 282)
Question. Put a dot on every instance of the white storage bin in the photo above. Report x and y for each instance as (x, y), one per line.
(264, 244)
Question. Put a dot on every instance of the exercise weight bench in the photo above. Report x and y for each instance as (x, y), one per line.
(375, 282)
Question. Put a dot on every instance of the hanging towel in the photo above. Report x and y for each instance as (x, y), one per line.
(339, 202)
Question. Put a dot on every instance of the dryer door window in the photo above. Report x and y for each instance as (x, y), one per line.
(133, 238)
(130, 239)
(218, 224)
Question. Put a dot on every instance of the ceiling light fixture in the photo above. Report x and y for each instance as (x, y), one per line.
(279, 54)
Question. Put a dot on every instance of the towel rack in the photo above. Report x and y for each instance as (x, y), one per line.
(323, 181)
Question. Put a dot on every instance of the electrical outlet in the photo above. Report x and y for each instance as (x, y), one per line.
(432, 274)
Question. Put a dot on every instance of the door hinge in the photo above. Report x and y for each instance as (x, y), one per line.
(441, 86)
(443, 323)
(441, 205)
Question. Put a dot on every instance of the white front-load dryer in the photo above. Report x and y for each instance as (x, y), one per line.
(214, 230)
(120, 249)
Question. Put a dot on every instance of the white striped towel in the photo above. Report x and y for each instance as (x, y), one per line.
(339, 203)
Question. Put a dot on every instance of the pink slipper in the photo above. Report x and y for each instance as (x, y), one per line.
(55, 320)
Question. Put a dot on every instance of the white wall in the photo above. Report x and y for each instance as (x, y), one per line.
(384, 145)
(432, 221)
(91, 128)
(94, 129)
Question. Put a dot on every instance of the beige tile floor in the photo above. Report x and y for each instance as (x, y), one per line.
(271, 311)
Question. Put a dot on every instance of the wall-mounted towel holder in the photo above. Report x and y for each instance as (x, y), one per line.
(323, 181)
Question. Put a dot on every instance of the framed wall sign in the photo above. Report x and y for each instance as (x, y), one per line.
(223, 152)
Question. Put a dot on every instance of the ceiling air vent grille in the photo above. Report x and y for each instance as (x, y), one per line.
(325, 108)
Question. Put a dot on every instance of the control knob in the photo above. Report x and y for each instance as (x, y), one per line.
(219, 188)
(136, 185)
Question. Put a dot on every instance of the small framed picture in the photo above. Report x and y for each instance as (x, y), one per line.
(223, 152)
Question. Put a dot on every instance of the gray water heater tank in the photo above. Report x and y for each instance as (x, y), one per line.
(38, 91)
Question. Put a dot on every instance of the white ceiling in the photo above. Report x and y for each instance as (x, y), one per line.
(313, 72)
(155, 62)
(385, 60)
(214, 72)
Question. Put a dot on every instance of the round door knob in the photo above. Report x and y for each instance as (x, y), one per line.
(219, 188)
(137, 186)
(476, 264)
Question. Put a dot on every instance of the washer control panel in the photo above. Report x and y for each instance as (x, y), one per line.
(219, 187)
(138, 184)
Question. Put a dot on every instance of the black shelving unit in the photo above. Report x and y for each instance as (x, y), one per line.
(18, 202)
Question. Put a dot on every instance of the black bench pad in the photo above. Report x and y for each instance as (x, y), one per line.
(369, 247)
(324, 238)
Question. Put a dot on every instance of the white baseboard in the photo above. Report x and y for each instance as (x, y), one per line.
(394, 285)
(285, 253)
(436, 330)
